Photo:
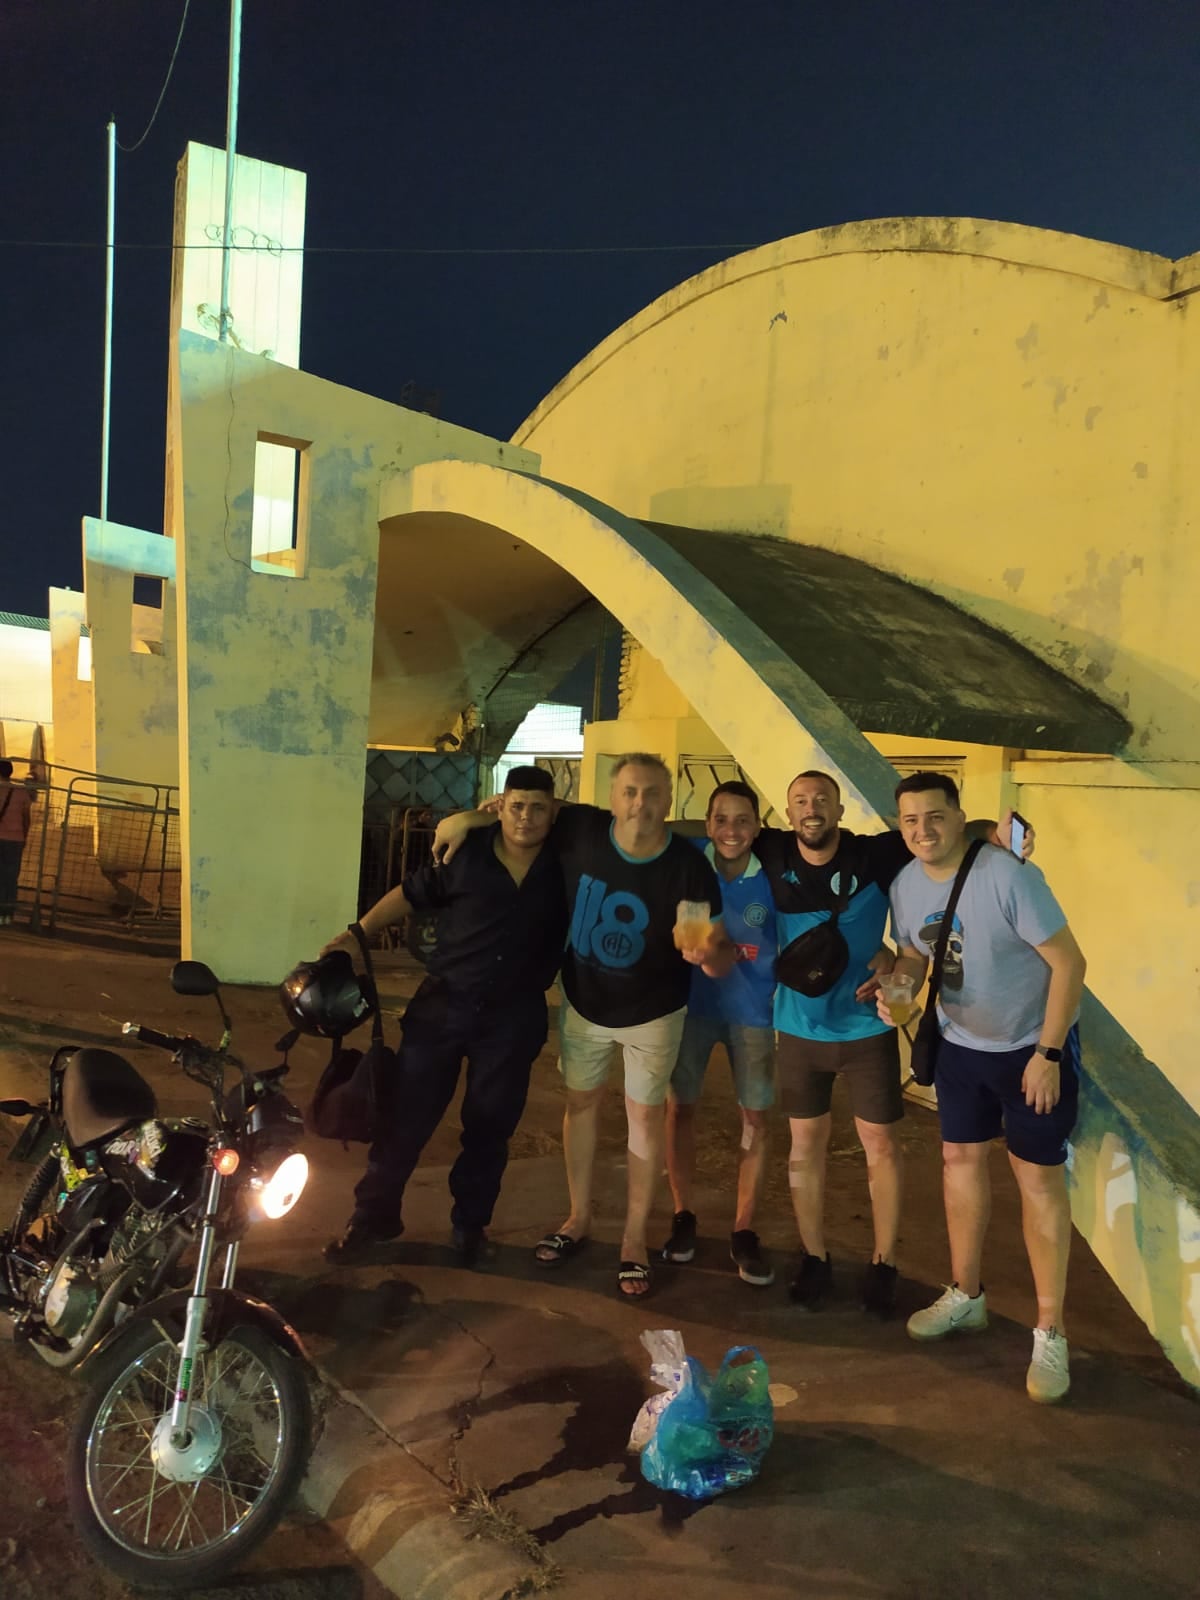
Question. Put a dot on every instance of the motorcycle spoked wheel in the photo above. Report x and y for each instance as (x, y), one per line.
(161, 1518)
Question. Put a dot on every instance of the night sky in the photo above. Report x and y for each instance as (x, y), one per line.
(497, 164)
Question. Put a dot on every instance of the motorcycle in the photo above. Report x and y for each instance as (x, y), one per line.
(197, 1422)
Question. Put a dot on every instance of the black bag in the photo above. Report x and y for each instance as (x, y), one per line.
(346, 1102)
(928, 1036)
(814, 961)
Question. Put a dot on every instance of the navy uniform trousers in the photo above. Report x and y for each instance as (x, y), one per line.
(499, 1038)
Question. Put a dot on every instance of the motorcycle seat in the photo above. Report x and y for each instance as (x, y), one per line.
(102, 1093)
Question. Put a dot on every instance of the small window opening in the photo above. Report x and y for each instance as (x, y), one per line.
(278, 521)
(146, 630)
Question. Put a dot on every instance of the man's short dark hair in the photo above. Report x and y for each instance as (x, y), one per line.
(739, 790)
(529, 778)
(5, 769)
(922, 782)
(641, 758)
(824, 777)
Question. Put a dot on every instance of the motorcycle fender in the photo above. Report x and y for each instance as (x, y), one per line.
(227, 1308)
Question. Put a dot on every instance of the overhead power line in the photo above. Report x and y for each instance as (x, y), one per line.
(130, 148)
(271, 248)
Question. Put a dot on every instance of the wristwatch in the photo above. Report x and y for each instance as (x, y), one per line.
(1049, 1052)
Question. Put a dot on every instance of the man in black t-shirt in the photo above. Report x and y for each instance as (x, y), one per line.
(626, 973)
(501, 921)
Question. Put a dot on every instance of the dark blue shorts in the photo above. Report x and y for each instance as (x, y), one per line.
(979, 1097)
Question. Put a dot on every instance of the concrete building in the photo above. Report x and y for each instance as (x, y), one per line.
(899, 493)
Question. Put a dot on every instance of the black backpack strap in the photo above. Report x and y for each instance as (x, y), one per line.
(943, 939)
(356, 928)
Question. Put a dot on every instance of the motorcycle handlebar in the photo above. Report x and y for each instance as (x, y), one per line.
(163, 1041)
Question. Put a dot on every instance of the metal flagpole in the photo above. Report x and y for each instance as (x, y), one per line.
(106, 405)
(231, 111)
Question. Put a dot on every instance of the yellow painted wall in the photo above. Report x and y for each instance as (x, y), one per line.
(999, 413)
(275, 670)
(25, 698)
(73, 743)
(266, 286)
(134, 691)
(1003, 415)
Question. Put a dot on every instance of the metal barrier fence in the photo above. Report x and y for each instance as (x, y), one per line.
(395, 843)
(700, 775)
(98, 847)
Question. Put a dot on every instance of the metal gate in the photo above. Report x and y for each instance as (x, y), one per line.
(100, 848)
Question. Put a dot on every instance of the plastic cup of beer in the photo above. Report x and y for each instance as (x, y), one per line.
(897, 991)
(693, 924)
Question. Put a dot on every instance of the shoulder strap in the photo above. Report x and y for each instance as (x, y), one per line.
(372, 991)
(939, 954)
(7, 802)
(853, 866)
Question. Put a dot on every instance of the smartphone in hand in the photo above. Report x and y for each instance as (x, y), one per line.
(1019, 830)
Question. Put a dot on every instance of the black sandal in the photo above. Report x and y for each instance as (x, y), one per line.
(634, 1272)
(563, 1246)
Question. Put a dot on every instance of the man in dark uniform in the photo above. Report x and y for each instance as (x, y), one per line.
(501, 926)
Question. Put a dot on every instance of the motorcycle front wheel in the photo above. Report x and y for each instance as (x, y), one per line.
(164, 1516)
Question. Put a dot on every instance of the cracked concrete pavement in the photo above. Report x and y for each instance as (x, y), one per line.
(897, 1471)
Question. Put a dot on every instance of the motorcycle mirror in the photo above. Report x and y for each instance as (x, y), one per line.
(193, 977)
(17, 1108)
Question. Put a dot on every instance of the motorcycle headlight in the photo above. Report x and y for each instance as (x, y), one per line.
(275, 1196)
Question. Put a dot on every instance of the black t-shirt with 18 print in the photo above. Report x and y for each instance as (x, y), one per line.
(621, 967)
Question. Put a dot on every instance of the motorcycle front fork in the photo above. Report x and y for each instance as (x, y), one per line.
(197, 1307)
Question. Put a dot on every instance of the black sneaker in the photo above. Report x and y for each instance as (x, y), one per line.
(359, 1241)
(681, 1246)
(813, 1281)
(879, 1289)
(752, 1265)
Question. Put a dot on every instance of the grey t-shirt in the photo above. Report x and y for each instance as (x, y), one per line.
(994, 983)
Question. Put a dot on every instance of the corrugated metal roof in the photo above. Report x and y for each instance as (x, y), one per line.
(13, 619)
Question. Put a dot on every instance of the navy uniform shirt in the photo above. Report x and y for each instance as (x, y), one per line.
(495, 937)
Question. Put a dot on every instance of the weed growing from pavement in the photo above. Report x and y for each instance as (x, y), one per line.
(484, 1519)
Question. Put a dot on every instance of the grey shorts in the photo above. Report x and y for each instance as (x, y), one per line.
(751, 1053)
(870, 1068)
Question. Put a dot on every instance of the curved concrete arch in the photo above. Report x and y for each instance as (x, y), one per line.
(1013, 243)
(770, 713)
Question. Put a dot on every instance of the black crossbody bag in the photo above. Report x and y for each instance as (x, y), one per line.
(817, 958)
(928, 1035)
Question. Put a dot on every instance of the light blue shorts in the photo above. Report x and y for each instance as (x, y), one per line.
(751, 1053)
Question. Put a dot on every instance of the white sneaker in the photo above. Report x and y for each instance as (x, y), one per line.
(1049, 1374)
(951, 1312)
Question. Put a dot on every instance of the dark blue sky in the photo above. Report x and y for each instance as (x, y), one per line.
(475, 125)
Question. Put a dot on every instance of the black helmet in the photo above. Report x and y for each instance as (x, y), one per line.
(326, 996)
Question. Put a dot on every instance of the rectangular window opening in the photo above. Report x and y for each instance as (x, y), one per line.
(278, 526)
(146, 630)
